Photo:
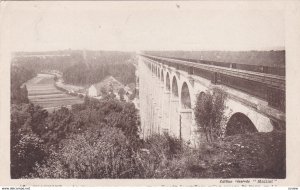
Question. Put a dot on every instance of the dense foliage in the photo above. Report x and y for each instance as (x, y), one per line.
(209, 113)
(100, 152)
(112, 122)
(77, 74)
(27, 148)
(81, 67)
(19, 75)
(39, 61)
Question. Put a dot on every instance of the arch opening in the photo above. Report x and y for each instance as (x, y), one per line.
(168, 82)
(185, 97)
(239, 123)
(162, 76)
(158, 73)
(174, 87)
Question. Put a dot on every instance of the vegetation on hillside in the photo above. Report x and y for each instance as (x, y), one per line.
(82, 67)
(19, 75)
(77, 74)
(35, 130)
(99, 139)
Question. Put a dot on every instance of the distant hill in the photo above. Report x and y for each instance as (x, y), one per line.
(265, 58)
(81, 67)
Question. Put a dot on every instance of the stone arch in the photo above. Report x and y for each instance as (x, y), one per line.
(239, 123)
(158, 73)
(186, 102)
(168, 86)
(174, 87)
(261, 122)
(151, 66)
(175, 108)
(186, 113)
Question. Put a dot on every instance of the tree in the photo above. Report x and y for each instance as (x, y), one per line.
(121, 93)
(26, 147)
(55, 78)
(209, 113)
(103, 91)
(20, 75)
(96, 153)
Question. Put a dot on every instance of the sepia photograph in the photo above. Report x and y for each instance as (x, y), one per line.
(145, 90)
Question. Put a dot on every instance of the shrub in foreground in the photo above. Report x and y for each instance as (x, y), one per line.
(97, 153)
(239, 156)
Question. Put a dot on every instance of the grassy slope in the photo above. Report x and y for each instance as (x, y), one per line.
(243, 156)
(257, 155)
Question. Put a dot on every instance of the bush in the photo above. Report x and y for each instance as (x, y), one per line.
(209, 113)
(25, 154)
(27, 147)
(160, 157)
(98, 153)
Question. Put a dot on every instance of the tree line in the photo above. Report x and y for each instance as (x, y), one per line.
(19, 75)
(81, 67)
(83, 75)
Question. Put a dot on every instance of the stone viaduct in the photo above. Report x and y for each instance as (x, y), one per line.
(168, 89)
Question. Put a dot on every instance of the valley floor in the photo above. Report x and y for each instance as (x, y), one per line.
(41, 91)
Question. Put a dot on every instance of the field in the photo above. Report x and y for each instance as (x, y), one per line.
(41, 91)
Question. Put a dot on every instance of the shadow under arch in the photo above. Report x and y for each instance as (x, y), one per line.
(239, 123)
(168, 86)
(185, 126)
(158, 73)
(174, 87)
(185, 97)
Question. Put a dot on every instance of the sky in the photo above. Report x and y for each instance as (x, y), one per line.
(132, 26)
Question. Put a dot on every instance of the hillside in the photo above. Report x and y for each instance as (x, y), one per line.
(109, 83)
(80, 67)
